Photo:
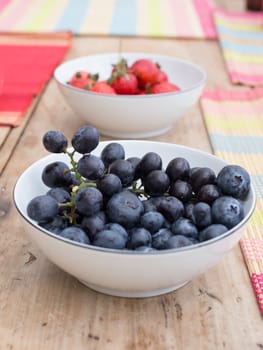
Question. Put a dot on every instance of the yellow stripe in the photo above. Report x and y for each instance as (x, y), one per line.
(243, 58)
(98, 17)
(257, 218)
(54, 15)
(216, 121)
(41, 16)
(154, 17)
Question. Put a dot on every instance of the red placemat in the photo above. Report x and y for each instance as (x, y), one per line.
(27, 62)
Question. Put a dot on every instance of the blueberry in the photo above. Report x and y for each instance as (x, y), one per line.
(202, 176)
(124, 170)
(152, 221)
(135, 163)
(56, 225)
(171, 208)
(202, 214)
(152, 203)
(181, 190)
(178, 168)
(109, 184)
(139, 236)
(208, 193)
(42, 208)
(112, 152)
(57, 174)
(86, 139)
(93, 224)
(91, 167)
(109, 239)
(212, 231)
(117, 227)
(184, 227)
(160, 237)
(234, 181)
(89, 201)
(54, 141)
(227, 211)
(76, 234)
(149, 162)
(156, 183)
(125, 209)
(177, 241)
(61, 196)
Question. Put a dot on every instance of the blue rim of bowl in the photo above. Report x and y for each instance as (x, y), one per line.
(86, 92)
(134, 252)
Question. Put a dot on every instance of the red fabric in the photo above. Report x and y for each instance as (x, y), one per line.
(24, 71)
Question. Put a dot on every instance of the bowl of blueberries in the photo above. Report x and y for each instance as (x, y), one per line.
(132, 218)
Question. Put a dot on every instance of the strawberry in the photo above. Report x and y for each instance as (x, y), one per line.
(102, 87)
(126, 84)
(122, 80)
(163, 87)
(146, 71)
(83, 80)
(161, 77)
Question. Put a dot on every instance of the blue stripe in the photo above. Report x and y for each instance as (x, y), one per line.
(73, 16)
(124, 18)
(243, 49)
(240, 34)
(237, 144)
(257, 181)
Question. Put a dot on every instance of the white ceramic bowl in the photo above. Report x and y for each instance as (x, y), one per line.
(129, 273)
(138, 116)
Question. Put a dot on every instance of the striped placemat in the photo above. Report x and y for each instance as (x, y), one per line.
(234, 121)
(27, 63)
(154, 18)
(241, 40)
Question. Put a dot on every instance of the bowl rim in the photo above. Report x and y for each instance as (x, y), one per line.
(136, 252)
(146, 55)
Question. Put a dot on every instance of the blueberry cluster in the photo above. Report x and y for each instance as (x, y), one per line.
(134, 203)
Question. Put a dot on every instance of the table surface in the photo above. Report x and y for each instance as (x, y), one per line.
(42, 307)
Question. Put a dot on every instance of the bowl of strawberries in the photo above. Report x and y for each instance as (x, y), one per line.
(130, 95)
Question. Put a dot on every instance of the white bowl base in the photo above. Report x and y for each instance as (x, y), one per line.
(129, 294)
(135, 135)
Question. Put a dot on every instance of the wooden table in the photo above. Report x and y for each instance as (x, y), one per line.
(41, 307)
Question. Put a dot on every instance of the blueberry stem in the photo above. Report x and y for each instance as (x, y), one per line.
(74, 165)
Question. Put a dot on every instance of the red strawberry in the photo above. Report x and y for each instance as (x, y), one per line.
(161, 77)
(83, 80)
(163, 87)
(102, 87)
(122, 80)
(146, 72)
(126, 84)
